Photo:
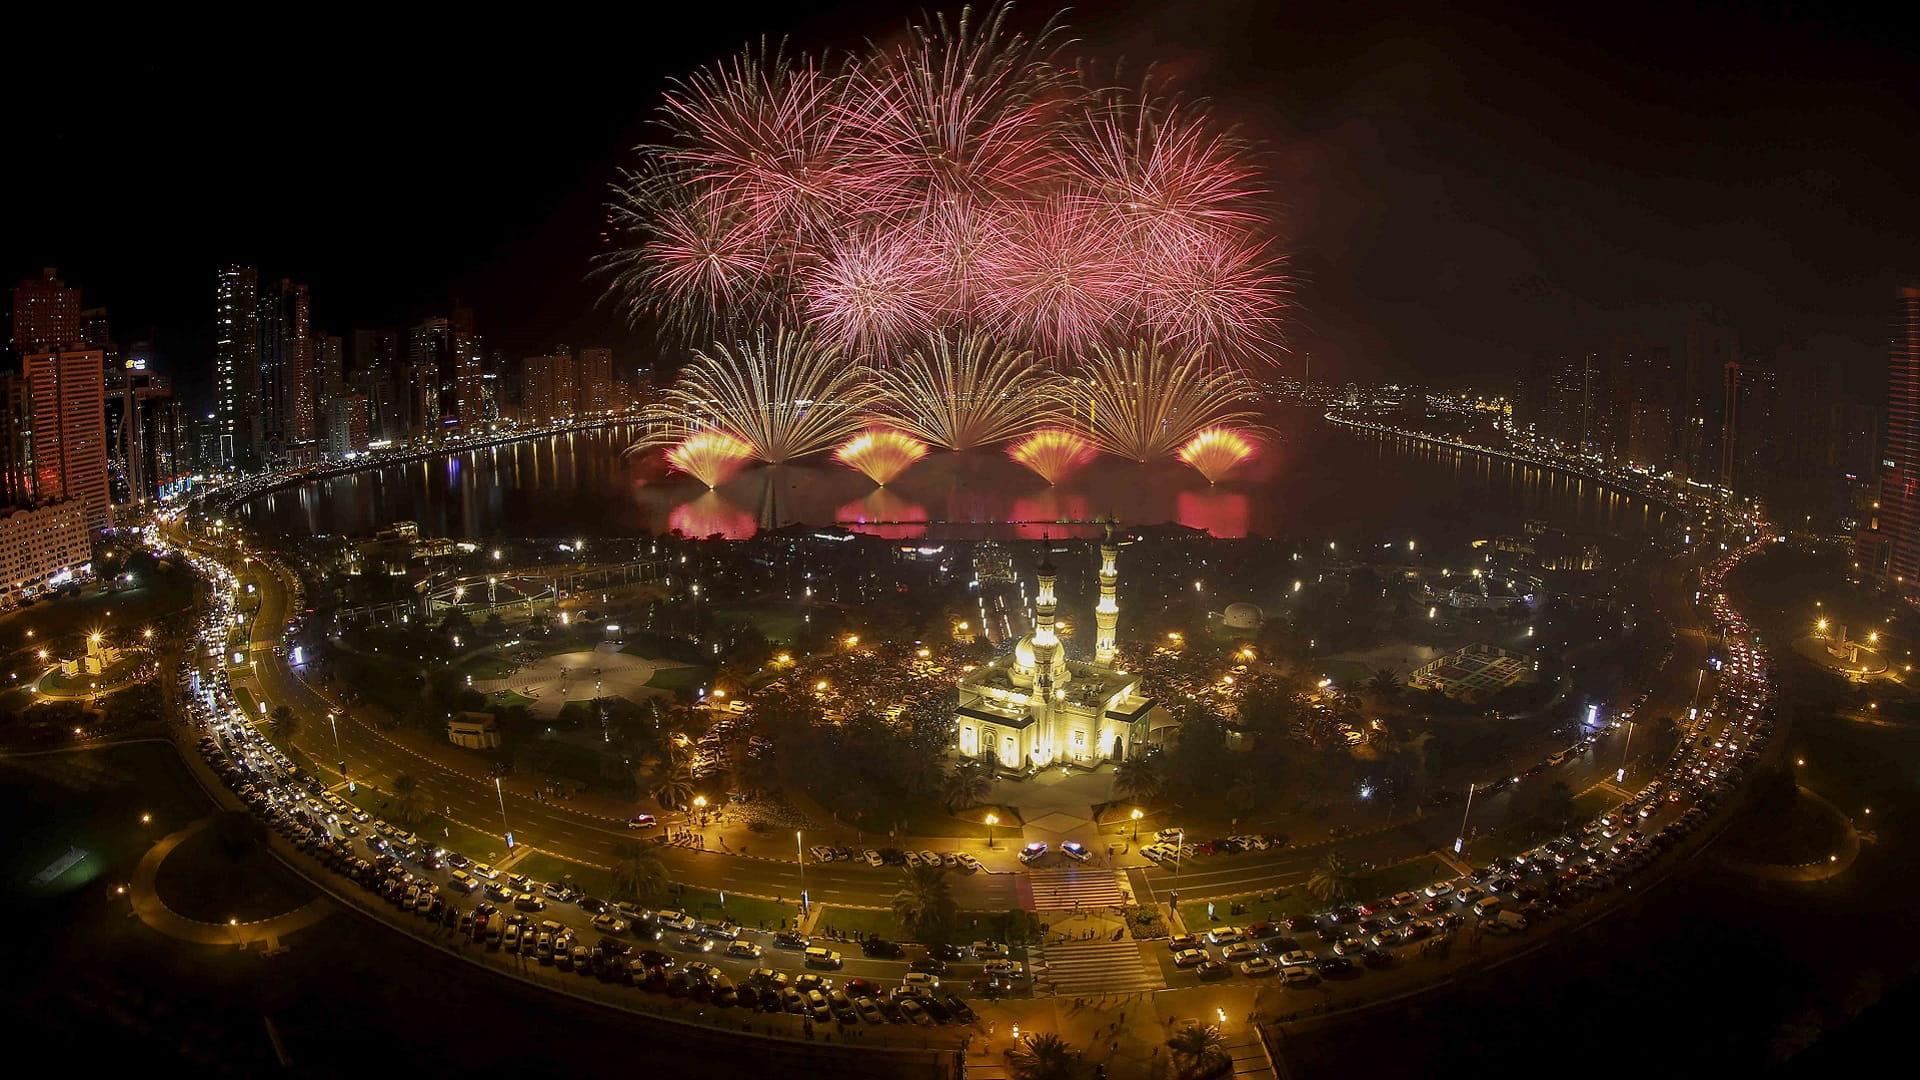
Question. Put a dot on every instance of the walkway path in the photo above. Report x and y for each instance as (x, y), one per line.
(154, 911)
(1833, 866)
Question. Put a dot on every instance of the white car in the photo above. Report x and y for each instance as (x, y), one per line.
(1439, 889)
(1033, 852)
(1076, 851)
(1297, 975)
(874, 859)
(968, 862)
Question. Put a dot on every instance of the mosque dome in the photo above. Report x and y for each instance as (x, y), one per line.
(1023, 663)
(1243, 616)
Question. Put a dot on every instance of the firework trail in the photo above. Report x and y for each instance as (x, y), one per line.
(968, 179)
(1140, 404)
(959, 395)
(784, 396)
(1215, 451)
(882, 455)
(1052, 452)
(709, 456)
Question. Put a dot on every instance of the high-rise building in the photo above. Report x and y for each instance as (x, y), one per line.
(286, 368)
(46, 315)
(236, 365)
(67, 404)
(593, 381)
(374, 370)
(347, 425)
(547, 387)
(147, 449)
(41, 546)
(1889, 553)
(329, 368)
(16, 442)
(430, 375)
(1702, 395)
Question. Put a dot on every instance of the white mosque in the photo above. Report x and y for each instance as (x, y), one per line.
(1037, 707)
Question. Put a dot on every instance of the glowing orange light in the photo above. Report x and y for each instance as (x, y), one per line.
(710, 456)
(881, 454)
(1215, 451)
(1052, 452)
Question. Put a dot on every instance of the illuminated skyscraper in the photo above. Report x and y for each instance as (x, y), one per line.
(236, 364)
(67, 403)
(46, 315)
(1890, 552)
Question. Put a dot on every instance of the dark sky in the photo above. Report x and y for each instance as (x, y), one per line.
(1465, 186)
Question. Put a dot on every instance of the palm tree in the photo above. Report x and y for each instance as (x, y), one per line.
(285, 723)
(1243, 794)
(758, 772)
(966, 786)
(638, 874)
(1138, 779)
(673, 786)
(1384, 682)
(1043, 1057)
(409, 802)
(1335, 880)
(924, 906)
(1198, 1047)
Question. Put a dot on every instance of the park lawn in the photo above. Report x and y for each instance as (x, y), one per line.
(1594, 803)
(684, 681)
(968, 925)
(1410, 876)
(14, 702)
(157, 594)
(936, 824)
(545, 866)
(852, 920)
(82, 683)
(244, 698)
(780, 621)
(745, 910)
(465, 839)
(91, 800)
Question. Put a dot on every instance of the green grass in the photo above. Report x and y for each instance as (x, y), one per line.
(1410, 876)
(1594, 803)
(244, 698)
(91, 800)
(780, 622)
(932, 822)
(745, 910)
(860, 921)
(82, 683)
(543, 866)
(681, 680)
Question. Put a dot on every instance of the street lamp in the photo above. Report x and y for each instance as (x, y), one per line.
(1137, 815)
(992, 820)
(700, 804)
(801, 852)
(508, 829)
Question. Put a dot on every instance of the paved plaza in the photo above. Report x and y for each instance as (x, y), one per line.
(552, 681)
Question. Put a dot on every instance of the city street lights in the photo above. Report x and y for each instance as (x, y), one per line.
(1137, 815)
(992, 820)
(802, 853)
(1460, 841)
(700, 804)
(335, 724)
(1621, 775)
(508, 829)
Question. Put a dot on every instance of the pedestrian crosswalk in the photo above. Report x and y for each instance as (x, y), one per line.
(1095, 967)
(1075, 889)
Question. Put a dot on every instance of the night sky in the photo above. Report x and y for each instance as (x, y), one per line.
(1463, 189)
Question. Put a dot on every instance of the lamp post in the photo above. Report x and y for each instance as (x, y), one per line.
(1620, 776)
(801, 852)
(508, 829)
(1460, 841)
(992, 820)
(1136, 824)
(700, 804)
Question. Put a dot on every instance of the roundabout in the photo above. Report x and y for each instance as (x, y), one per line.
(260, 924)
(1851, 659)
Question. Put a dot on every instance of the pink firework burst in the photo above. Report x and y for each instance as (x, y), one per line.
(1055, 274)
(1213, 292)
(876, 292)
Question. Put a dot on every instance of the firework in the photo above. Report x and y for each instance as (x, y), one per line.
(1138, 403)
(881, 454)
(1052, 452)
(709, 456)
(783, 396)
(965, 179)
(1215, 451)
(964, 394)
